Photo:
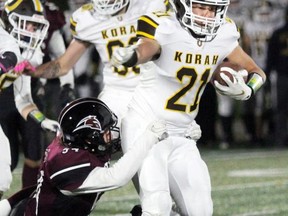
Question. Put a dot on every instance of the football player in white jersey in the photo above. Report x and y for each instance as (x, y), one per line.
(105, 25)
(10, 54)
(26, 32)
(186, 46)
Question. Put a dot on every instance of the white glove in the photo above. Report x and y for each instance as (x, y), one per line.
(193, 131)
(122, 55)
(237, 88)
(50, 125)
(158, 128)
(5, 207)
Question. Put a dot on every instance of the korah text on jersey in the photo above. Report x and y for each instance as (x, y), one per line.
(197, 59)
(120, 31)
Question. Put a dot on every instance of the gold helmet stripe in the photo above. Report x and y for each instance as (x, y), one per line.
(37, 5)
(12, 5)
(15, 3)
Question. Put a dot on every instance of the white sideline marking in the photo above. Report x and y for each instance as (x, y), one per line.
(241, 155)
(270, 212)
(259, 173)
(251, 185)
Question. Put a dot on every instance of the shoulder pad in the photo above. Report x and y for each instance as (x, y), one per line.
(80, 16)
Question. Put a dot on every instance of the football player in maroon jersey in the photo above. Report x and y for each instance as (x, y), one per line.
(75, 170)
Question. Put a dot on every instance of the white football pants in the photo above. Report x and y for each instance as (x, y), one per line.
(173, 168)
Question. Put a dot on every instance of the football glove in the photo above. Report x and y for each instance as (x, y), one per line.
(237, 88)
(50, 125)
(5, 207)
(158, 128)
(125, 56)
(193, 131)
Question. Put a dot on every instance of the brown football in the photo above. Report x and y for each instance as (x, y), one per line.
(216, 73)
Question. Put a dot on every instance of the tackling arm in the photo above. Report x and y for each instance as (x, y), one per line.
(103, 179)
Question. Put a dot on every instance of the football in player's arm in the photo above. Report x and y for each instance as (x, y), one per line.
(186, 45)
(75, 171)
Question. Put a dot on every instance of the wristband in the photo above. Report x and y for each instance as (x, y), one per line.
(132, 61)
(255, 81)
(36, 116)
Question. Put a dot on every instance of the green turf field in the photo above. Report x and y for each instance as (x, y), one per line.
(244, 183)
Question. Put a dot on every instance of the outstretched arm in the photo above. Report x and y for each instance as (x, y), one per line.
(103, 178)
(63, 64)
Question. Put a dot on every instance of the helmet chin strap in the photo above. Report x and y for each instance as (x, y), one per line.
(197, 36)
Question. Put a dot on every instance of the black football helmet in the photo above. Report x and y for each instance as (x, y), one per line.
(84, 123)
(190, 21)
(25, 21)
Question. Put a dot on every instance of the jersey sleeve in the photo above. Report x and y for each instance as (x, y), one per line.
(107, 178)
(68, 170)
(234, 35)
(22, 92)
(147, 26)
(80, 23)
(155, 25)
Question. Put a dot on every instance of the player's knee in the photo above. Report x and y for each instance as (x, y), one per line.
(157, 204)
(6, 178)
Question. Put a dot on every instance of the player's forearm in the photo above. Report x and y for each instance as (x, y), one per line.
(49, 70)
(103, 179)
(147, 49)
(26, 110)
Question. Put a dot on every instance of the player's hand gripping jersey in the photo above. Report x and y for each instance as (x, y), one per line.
(110, 32)
(173, 91)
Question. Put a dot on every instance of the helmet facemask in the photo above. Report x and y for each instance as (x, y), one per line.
(204, 27)
(28, 31)
(100, 142)
(109, 7)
